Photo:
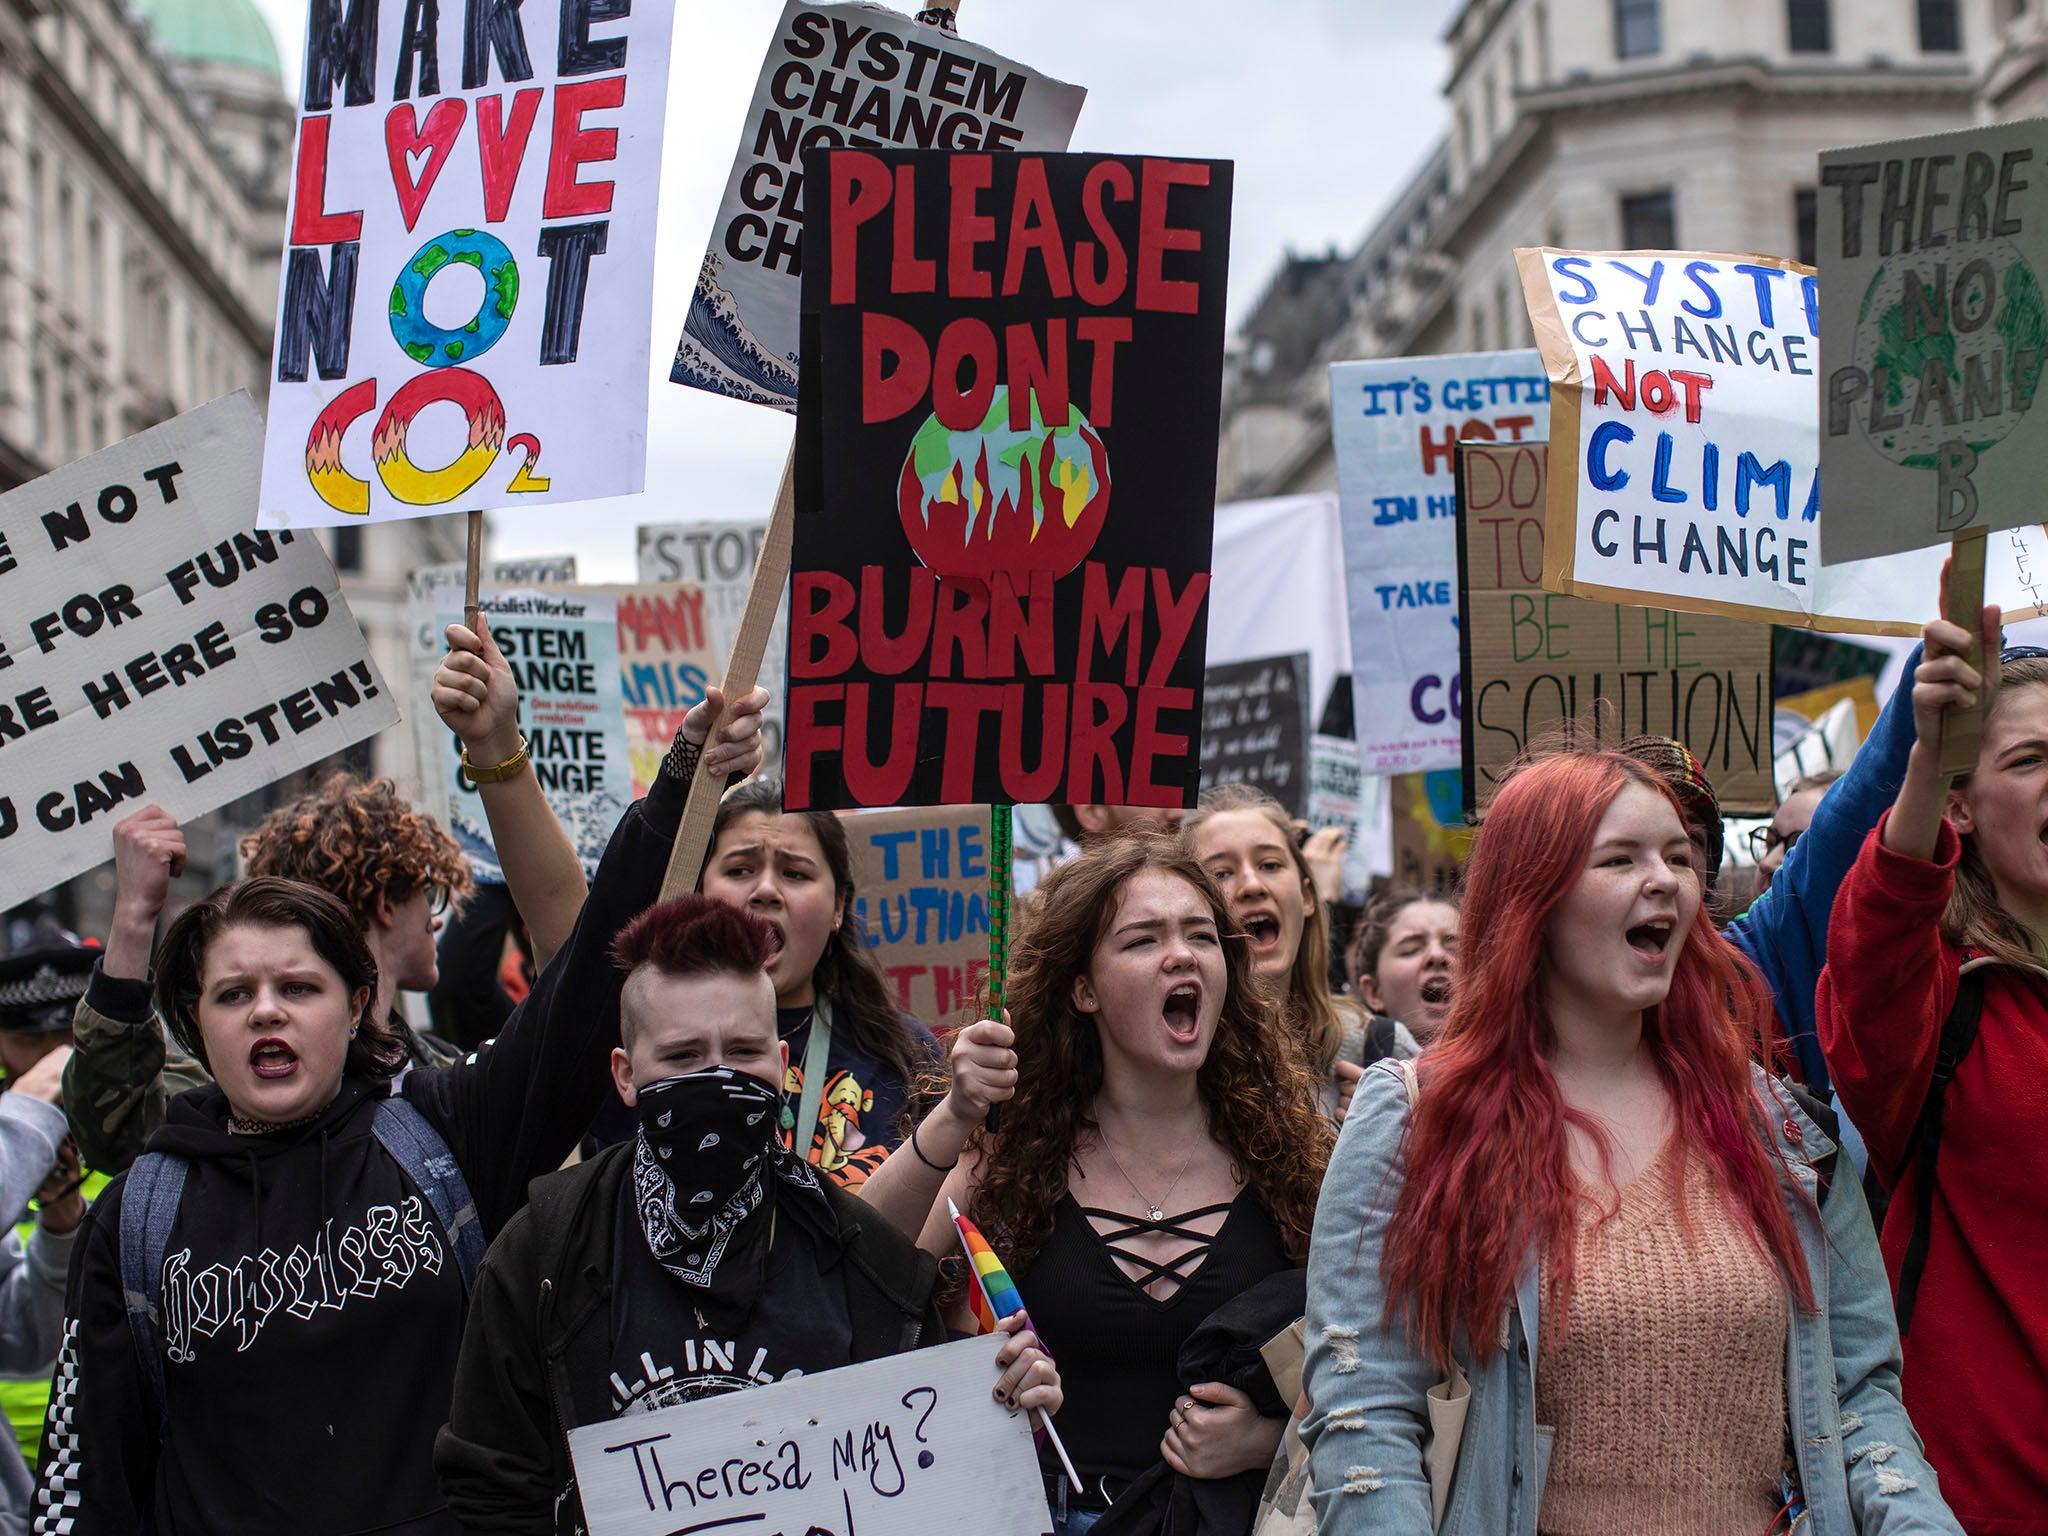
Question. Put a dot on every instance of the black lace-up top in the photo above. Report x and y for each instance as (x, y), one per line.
(1118, 1348)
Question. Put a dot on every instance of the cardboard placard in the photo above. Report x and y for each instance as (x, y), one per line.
(718, 559)
(1255, 727)
(1394, 426)
(837, 74)
(1934, 324)
(462, 315)
(562, 644)
(999, 591)
(1540, 666)
(1685, 422)
(153, 649)
(911, 1442)
(921, 879)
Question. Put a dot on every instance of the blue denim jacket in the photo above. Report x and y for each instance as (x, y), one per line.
(1861, 1464)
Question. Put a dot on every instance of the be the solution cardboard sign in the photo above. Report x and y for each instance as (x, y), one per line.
(462, 320)
(1540, 666)
(154, 648)
(839, 74)
(1006, 478)
(1933, 323)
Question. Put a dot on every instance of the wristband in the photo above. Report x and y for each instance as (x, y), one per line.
(935, 1167)
(496, 773)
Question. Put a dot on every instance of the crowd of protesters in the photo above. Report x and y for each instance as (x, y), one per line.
(1566, 1180)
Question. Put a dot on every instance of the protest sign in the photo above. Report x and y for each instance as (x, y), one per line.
(999, 592)
(1933, 325)
(839, 74)
(719, 559)
(1431, 840)
(1394, 425)
(1539, 665)
(1255, 727)
(667, 659)
(922, 882)
(1802, 660)
(563, 649)
(429, 645)
(153, 649)
(910, 1442)
(1685, 415)
(462, 319)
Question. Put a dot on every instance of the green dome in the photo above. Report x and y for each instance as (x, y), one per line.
(213, 32)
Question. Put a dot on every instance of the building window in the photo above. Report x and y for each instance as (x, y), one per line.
(1649, 221)
(1489, 102)
(1806, 225)
(1808, 25)
(1941, 29)
(348, 550)
(1639, 28)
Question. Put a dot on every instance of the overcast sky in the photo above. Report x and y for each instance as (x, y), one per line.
(1326, 106)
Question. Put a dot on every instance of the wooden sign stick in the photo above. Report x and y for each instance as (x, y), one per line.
(757, 619)
(1962, 730)
(473, 575)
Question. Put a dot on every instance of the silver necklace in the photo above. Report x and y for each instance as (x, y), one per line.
(1155, 1210)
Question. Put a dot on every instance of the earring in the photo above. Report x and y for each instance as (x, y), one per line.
(352, 1030)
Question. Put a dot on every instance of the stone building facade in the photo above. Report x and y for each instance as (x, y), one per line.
(1600, 124)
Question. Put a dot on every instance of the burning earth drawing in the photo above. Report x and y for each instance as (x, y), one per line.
(997, 498)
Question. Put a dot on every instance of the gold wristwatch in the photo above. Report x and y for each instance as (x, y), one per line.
(497, 773)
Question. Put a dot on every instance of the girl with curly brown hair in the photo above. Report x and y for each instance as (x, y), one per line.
(1159, 1154)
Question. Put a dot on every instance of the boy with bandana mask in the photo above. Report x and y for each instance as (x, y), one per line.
(700, 1257)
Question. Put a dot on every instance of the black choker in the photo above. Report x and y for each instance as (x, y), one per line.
(238, 1126)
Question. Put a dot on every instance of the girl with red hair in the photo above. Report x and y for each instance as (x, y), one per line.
(1589, 1207)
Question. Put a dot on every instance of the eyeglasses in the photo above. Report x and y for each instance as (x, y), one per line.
(437, 899)
(1763, 840)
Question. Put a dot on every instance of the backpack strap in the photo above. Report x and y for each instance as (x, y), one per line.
(1379, 1040)
(1958, 1034)
(425, 1157)
(149, 1209)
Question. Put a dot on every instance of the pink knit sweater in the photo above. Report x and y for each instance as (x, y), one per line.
(1668, 1388)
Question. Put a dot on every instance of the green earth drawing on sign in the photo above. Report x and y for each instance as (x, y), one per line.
(1957, 338)
(436, 346)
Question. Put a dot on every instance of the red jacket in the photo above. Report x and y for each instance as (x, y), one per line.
(1976, 1363)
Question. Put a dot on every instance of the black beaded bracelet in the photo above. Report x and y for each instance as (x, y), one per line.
(935, 1167)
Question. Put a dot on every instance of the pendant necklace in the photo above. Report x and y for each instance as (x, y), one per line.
(1155, 1210)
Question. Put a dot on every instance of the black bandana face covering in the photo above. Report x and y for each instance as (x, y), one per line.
(705, 1163)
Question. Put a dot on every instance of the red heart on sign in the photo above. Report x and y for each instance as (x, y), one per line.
(404, 138)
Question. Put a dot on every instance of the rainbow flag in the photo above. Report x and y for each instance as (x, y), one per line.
(995, 1294)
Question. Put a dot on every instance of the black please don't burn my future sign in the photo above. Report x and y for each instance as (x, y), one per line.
(1006, 477)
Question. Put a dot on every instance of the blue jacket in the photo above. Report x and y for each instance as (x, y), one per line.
(1860, 1462)
(1786, 931)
